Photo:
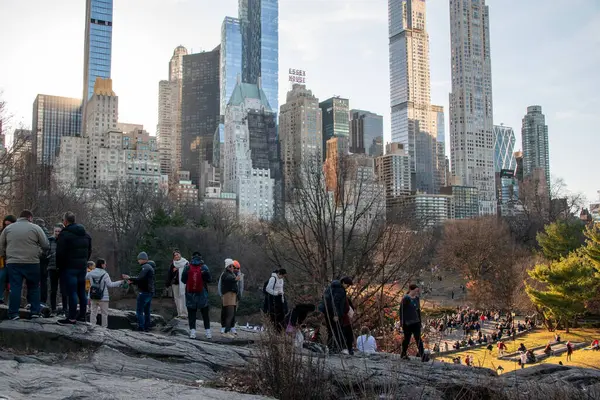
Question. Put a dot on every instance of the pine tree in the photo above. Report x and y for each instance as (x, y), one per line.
(567, 284)
(560, 238)
(592, 248)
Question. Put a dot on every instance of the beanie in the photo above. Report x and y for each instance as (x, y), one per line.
(228, 262)
(142, 256)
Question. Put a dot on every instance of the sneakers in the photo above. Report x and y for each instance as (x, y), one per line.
(192, 334)
(66, 322)
(15, 318)
(208, 334)
(35, 316)
(234, 331)
(345, 352)
(222, 330)
(228, 335)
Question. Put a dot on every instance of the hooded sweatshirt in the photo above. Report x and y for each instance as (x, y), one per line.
(73, 247)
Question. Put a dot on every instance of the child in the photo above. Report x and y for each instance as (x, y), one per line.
(90, 267)
(99, 279)
(366, 343)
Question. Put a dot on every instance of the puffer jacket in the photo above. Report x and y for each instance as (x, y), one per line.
(73, 247)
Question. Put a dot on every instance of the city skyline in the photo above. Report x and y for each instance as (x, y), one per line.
(563, 88)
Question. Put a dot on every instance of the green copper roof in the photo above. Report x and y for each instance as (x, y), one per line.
(244, 91)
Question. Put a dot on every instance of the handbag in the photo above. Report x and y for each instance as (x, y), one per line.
(350, 312)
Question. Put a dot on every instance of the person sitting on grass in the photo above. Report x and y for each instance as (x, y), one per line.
(595, 345)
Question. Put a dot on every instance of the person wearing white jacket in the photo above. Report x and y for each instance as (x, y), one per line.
(275, 301)
(100, 276)
(177, 267)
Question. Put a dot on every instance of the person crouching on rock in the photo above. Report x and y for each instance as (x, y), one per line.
(410, 319)
(196, 276)
(99, 283)
(145, 283)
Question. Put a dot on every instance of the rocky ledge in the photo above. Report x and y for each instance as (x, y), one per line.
(42, 360)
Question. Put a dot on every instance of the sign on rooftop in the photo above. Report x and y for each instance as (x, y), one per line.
(297, 76)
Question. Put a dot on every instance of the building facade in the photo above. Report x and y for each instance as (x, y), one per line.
(465, 201)
(200, 111)
(366, 133)
(471, 110)
(259, 23)
(422, 210)
(168, 129)
(335, 116)
(534, 134)
(97, 44)
(231, 58)
(504, 148)
(300, 136)
(393, 171)
(251, 166)
(54, 117)
(414, 121)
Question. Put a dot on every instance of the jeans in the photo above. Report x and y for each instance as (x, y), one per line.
(349, 338)
(144, 300)
(55, 282)
(44, 282)
(3, 280)
(75, 284)
(16, 274)
(412, 330)
(192, 317)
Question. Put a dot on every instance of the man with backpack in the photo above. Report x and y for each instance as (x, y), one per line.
(274, 304)
(99, 283)
(195, 277)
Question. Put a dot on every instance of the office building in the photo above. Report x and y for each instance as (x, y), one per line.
(337, 149)
(219, 151)
(507, 193)
(335, 116)
(168, 129)
(504, 148)
(54, 117)
(300, 136)
(200, 111)
(231, 58)
(519, 165)
(471, 111)
(251, 166)
(393, 171)
(22, 145)
(465, 200)
(421, 210)
(535, 143)
(97, 44)
(505, 165)
(259, 23)
(414, 121)
(366, 133)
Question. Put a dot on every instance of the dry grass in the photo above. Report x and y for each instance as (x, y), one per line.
(581, 358)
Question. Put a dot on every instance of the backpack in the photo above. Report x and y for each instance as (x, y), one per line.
(267, 284)
(97, 287)
(195, 282)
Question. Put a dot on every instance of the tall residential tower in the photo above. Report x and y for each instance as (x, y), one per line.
(97, 44)
(414, 122)
(471, 123)
(535, 143)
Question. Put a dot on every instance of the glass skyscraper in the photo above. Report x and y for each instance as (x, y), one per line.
(98, 44)
(366, 132)
(231, 58)
(260, 46)
(504, 147)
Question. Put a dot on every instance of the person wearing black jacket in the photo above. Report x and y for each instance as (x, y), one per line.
(145, 283)
(410, 319)
(333, 307)
(73, 250)
(229, 290)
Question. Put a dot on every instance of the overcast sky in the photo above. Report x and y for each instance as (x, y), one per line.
(544, 52)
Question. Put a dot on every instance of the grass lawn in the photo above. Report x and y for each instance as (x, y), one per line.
(581, 358)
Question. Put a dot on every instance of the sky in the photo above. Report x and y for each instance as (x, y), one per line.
(544, 52)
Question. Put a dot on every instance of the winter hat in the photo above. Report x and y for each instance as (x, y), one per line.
(236, 264)
(196, 254)
(143, 256)
(228, 262)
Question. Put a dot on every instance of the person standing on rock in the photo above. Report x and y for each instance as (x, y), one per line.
(99, 298)
(333, 306)
(174, 280)
(145, 284)
(73, 250)
(22, 243)
(229, 291)
(53, 273)
(410, 320)
(274, 298)
(237, 271)
(9, 219)
(196, 277)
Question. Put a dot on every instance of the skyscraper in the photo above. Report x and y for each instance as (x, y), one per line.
(535, 143)
(200, 108)
(252, 165)
(504, 147)
(231, 58)
(168, 129)
(259, 21)
(414, 122)
(471, 124)
(366, 132)
(393, 171)
(335, 120)
(300, 135)
(54, 117)
(97, 44)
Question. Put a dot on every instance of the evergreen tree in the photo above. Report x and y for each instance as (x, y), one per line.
(592, 248)
(560, 238)
(563, 287)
